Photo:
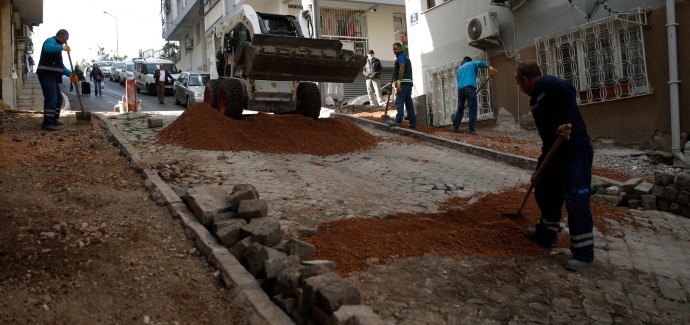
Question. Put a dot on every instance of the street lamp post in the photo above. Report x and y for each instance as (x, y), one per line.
(117, 34)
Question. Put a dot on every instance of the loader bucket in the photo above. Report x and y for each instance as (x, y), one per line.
(272, 57)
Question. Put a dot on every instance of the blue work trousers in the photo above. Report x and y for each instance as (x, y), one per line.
(567, 179)
(466, 94)
(52, 97)
(403, 99)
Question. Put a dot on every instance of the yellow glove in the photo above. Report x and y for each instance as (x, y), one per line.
(397, 85)
(66, 47)
(74, 79)
(493, 71)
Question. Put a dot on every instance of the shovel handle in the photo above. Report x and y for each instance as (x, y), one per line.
(76, 84)
(548, 157)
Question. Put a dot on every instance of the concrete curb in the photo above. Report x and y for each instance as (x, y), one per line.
(236, 278)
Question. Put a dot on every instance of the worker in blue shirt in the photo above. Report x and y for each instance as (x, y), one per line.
(567, 177)
(49, 71)
(467, 91)
(402, 74)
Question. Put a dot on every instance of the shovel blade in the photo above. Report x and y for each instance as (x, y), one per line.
(84, 116)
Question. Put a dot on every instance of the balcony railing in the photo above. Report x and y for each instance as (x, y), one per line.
(206, 6)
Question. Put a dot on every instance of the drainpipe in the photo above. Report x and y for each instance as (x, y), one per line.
(673, 81)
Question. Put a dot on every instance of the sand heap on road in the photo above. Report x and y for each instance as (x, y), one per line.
(203, 128)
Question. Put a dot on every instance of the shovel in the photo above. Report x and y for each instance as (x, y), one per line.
(83, 116)
(385, 118)
(550, 154)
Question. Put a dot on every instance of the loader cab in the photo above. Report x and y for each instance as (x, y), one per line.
(232, 51)
(284, 25)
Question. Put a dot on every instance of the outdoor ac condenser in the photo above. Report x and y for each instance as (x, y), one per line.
(482, 27)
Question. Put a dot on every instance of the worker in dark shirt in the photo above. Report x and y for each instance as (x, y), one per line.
(567, 177)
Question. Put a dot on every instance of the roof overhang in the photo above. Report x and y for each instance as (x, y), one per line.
(31, 11)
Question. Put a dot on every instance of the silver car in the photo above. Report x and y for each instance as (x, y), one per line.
(189, 87)
(127, 73)
(364, 99)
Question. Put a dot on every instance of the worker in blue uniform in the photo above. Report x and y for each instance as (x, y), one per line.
(49, 71)
(567, 177)
(467, 92)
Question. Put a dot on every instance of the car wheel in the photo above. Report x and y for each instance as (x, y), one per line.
(151, 88)
(177, 101)
(188, 103)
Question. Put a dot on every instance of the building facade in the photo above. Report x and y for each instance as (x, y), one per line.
(361, 26)
(616, 54)
(17, 19)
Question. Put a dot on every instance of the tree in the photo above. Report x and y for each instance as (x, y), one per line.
(169, 50)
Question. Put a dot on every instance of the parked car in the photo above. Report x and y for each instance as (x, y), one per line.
(127, 73)
(106, 67)
(364, 99)
(144, 70)
(115, 71)
(189, 87)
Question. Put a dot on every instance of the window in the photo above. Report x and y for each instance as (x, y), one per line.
(433, 3)
(399, 25)
(346, 25)
(604, 60)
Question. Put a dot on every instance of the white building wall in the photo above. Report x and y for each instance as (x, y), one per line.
(440, 34)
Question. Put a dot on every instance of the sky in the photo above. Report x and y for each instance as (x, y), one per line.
(138, 27)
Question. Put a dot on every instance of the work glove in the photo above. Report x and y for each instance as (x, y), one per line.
(66, 47)
(493, 71)
(74, 79)
(397, 85)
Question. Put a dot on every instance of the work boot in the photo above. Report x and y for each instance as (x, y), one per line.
(577, 265)
(393, 123)
(531, 233)
(50, 127)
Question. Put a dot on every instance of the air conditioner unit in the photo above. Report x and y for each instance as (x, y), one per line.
(482, 27)
(189, 43)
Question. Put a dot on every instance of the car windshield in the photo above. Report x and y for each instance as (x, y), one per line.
(119, 65)
(152, 67)
(130, 67)
(198, 79)
(105, 64)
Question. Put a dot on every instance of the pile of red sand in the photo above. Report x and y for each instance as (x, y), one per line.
(479, 229)
(203, 128)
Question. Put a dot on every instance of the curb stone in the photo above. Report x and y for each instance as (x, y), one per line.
(235, 277)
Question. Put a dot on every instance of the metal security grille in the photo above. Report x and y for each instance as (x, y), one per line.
(345, 25)
(442, 99)
(605, 59)
(399, 25)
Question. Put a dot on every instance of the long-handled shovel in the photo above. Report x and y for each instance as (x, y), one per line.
(385, 118)
(550, 154)
(83, 115)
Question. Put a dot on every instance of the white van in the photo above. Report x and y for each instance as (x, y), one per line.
(143, 74)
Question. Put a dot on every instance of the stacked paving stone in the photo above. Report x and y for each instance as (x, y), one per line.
(309, 291)
(669, 193)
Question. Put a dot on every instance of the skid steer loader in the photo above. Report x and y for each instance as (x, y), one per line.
(267, 63)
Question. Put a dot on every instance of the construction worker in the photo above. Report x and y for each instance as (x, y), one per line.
(49, 71)
(467, 92)
(567, 177)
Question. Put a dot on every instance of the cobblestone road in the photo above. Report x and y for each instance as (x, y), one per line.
(642, 273)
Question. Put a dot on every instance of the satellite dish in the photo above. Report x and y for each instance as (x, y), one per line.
(474, 29)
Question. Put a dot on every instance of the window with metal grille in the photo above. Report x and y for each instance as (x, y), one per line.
(347, 25)
(604, 60)
(399, 25)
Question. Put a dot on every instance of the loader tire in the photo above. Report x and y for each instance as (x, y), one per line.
(230, 98)
(211, 94)
(308, 100)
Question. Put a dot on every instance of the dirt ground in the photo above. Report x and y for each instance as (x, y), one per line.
(80, 242)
